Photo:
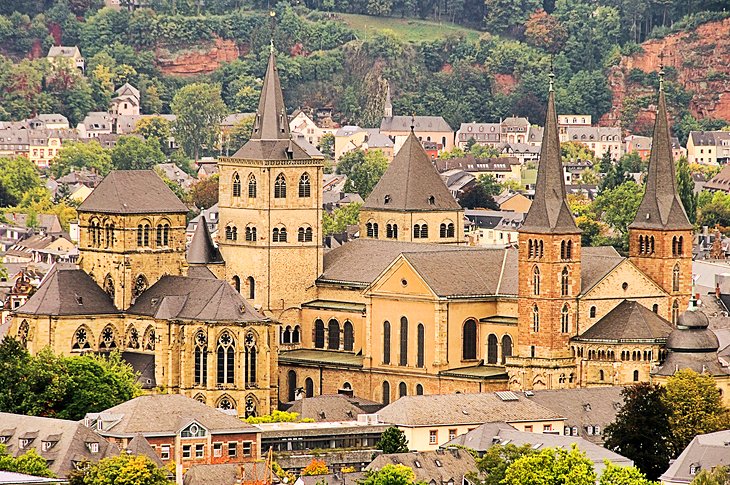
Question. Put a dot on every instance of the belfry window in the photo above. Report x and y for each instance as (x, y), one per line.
(565, 319)
(536, 281)
(236, 185)
(564, 280)
(675, 278)
(535, 319)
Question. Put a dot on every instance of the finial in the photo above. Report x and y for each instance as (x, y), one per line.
(413, 122)
(551, 75)
(272, 14)
(661, 71)
(692, 307)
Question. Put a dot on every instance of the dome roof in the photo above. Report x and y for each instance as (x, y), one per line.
(693, 319)
(692, 334)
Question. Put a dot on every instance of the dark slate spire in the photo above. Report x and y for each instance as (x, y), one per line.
(549, 212)
(661, 208)
(202, 250)
(271, 122)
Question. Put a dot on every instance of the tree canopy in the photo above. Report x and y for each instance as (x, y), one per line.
(199, 109)
(393, 440)
(124, 469)
(29, 463)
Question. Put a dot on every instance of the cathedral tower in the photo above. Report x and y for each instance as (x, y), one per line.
(270, 201)
(549, 276)
(660, 238)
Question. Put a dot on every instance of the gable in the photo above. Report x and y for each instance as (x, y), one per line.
(611, 285)
(390, 282)
(193, 430)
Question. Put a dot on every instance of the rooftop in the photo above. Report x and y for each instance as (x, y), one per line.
(133, 192)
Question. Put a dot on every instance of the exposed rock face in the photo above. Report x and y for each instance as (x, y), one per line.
(701, 58)
(203, 59)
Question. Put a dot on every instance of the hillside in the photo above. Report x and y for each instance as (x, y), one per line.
(698, 61)
(406, 29)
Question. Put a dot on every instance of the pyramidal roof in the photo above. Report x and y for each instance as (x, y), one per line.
(133, 192)
(202, 250)
(661, 208)
(271, 138)
(549, 212)
(411, 183)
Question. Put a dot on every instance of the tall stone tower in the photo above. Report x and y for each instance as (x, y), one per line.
(660, 238)
(549, 276)
(131, 233)
(270, 201)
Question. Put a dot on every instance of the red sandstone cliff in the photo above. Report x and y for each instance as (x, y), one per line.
(202, 59)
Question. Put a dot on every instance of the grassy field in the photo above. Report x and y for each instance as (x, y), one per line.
(409, 29)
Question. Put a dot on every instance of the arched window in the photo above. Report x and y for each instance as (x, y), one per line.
(592, 312)
(132, 338)
(250, 357)
(146, 235)
(251, 283)
(296, 336)
(386, 392)
(291, 381)
(416, 231)
(565, 319)
(286, 335)
(540, 247)
(675, 312)
(675, 278)
(531, 250)
(469, 340)
(200, 374)
(391, 231)
(403, 341)
(140, 285)
(536, 281)
(424, 231)
(506, 348)
(600, 375)
(535, 319)
(251, 186)
(651, 245)
(109, 288)
(236, 185)
(636, 376)
(564, 282)
(81, 339)
(318, 334)
(419, 390)
(108, 339)
(442, 230)
(251, 233)
(450, 230)
(492, 349)
(251, 407)
(278, 234)
(420, 346)
(562, 250)
(226, 352)
(569, 250)
(641, 244)
(280, 187)
(237, 283)
(348, 338)
(231, 233)
(149, 340)
(402, 389)
(140, 235)
(308, 387)
(655, 308)
(333, 334)
(386, 342)
(680, 245)
(304, 186)
(109, 228)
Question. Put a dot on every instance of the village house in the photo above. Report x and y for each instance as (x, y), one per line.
(126, 101)
(65, 56)
(708, 147)
(443, 467)
(705, 452)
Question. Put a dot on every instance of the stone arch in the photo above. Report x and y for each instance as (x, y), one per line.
(81, 338)
(225, 402)
(108, 339)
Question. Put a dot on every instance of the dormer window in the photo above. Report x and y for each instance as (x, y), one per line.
(386, 199)
(93, 447)
(47, 445)
(24, 442)
(694, 468)
(431, 200)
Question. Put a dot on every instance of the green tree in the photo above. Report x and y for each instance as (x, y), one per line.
(390, 475)
(344, 216)
(571, 151)
(552, 466)
(622, 475)
(276, 416)
(484, 151)
(29, 463)
(239, 135)
(199, 109)
(134, 153)
(364, 176)
(78, 155)
(695, 407)
(713, 208)
(17, 176)
(492, 466)
(617, 208)
(545, 32)
(393, 440)
(122, 470)
(641, 430)
(155, 128)
(685, 187)
(720, 475)
(477, 197)
(327, 145)
(203, 194)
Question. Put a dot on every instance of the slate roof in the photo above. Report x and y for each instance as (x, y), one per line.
(661, 207)
(165, 414)
(597, 262)
(133, 192)
(63, 51)
(420, 123)
(70, 439)
(443, 466)
(470, 163)
(721, 181)
(629, 321)
(12, 478)
(140, 446)
(448, 409)
(201, 249)
(331, 407)
(196, 299)
(706, 451)
(549, 212)
(331, 479)
(227, 474)
(67, 290)
(411, 183)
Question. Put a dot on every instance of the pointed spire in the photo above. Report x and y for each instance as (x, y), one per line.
(202, 250)
(388, 105)
(271, 121)
(661, 208)
(549, 212)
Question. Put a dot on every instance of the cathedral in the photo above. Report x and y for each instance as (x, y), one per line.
(265, 315)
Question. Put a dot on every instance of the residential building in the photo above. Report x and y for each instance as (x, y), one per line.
(65, 445)
(14, 142)
(642, 146)
(47, 224)
(212, 218)
(493, 228)
(42, 249)
(95, 123)
(126, 101)
(313, 131)
(502, 169)
(708, 147)
(524, 152)
(12, 478)
(431, 421)
(331, 479)
(572, 121)
(49, 121)
(599, 139)
(65, 56)
(515, 130)
(174, 173)
(350, 138)
(458, 181)
(329, 407)
(230, 474)
(426, 128)
(487, 134)
(445, 467)
(705, 452)
(513, 202)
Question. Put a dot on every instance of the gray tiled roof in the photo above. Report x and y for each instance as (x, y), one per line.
(196, 299)
(329, 407)
(67, 290)
(706, 451)
(227, 474)
(443, 466)
(447, 409)
(140, 446)
(411, 183)
(597, 262)
(629, 321)
(133, 192)
(420, 123)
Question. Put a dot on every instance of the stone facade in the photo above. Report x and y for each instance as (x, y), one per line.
(443, 227)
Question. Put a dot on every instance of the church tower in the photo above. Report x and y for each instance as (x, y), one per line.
(131, 233)
(549, 276)
(660, 238)
(270, 201)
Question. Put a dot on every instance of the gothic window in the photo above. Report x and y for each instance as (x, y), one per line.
(251, 283)
(296, 336)
(318, 334)
(680, 244)
(419, 390)
(236, 185)
(226, 351)
(149, 339)
(564, 319)
(81, 339)
(420, 346)
(308, 387)
(402, 389)
(540, 246)
(386, 392)
(506, 348)
(592, 312)
(304, 185)
(140, 285)
(280, 187)
(333, 335)
(535, 319)
(133, 338)
(424, 231)
(108, 339)
(250, 354)
(251, 233)
(469, 340)
(291, 380)
(675, 312)
(251, 408)
(569, 250)
(226, 403)
(675, 278)
(251, 186)
(492, 349)
(23, 331)
(564, 282)
(109, 286)
(536, 281)
(562, 250)
(450, 230)
(348, 337)
(403, 341)
(386, 342)
(201, 359)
